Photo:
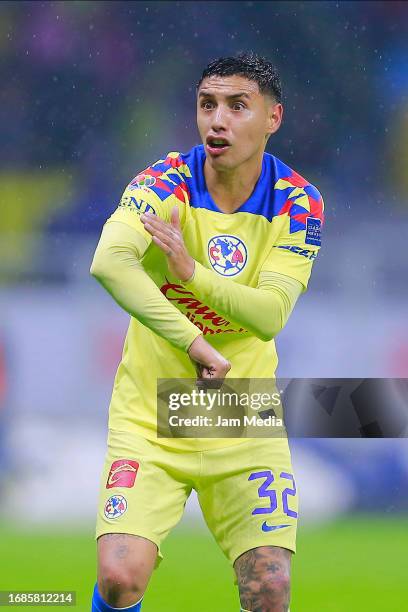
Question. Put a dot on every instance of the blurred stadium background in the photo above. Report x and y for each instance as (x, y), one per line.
(91, 93)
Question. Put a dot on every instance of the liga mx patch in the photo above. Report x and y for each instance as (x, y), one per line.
(122, 474)
(313, 231)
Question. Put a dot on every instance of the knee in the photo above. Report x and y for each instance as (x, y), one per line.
(263, 576)
(120, 587)
(269, 592)
(275, 587)
(125, 563)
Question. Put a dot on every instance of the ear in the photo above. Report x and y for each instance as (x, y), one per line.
(274, 119)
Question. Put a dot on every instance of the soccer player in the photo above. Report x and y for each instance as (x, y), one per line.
(208, 252)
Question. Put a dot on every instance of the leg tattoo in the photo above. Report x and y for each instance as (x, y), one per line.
(264, 579)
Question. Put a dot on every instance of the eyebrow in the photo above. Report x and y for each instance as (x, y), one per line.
(241, 94)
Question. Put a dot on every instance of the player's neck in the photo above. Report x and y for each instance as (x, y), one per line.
(230, 189)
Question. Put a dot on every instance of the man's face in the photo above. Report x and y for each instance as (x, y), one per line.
(234, 120)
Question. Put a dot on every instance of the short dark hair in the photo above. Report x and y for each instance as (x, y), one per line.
(251, 66)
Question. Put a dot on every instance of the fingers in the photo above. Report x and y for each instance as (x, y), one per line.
(212, 377)
(164, 235)
(153, 222)
(209, 382)
(159, 228)
(163, 246)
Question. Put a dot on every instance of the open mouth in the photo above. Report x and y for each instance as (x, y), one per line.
(217, 145)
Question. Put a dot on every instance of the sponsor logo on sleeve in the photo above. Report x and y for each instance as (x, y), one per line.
(122, 473)
(313, 231)
(308, 253)
(137, 205)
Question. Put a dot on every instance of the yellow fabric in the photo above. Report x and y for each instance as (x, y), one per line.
(116, 264)
(221, 477)
(235, 308)
(262, 311)
(282, 256)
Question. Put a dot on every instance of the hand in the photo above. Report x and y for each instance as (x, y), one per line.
(169, 238)
(211, 366)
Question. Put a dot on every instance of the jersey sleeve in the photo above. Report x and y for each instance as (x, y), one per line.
(263, 311)
(156, 190)
(299, 240)
(116, 265)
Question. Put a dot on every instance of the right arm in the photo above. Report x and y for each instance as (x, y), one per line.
(116, 265)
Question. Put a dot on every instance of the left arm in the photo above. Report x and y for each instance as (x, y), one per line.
(263, 310)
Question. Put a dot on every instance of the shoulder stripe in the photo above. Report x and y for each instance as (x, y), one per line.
(296, 197)
(165, 178)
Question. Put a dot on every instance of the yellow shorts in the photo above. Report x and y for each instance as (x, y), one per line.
(247, 492)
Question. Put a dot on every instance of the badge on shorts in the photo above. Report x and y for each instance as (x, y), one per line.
(313, 231)
(115, 506)
(122, 474)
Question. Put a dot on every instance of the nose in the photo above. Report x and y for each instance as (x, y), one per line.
(219, 119)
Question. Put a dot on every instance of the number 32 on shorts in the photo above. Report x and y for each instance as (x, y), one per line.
(267, 491)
